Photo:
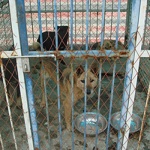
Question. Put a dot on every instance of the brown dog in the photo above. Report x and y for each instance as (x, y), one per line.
(65, 83)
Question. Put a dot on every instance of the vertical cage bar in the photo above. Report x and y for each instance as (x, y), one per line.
(28, 81)
(32, 110)
(128, 76)
(136, 60)
(72, 78)
(97, 4)
(87, 23)
(147, 19)
(72, 98)
(90, 20)
(112, 12)
(47, 112)
(86, 67)
(43, 74)
(40, 24)
(98, 103)
(60, 12)
(68, 4)
(8, 106)
(46, 13)
(22, 27)
(85, 101)
(16, 37)
(59, 115)
(144, 117)
(43, 70)
(131, 77)
(128, 18)
(71, 24)
(103, 22)
(32, 21)
(82, 36)
(118, 22)
(75, 23)
(111, 105)
(55, 23)
(57, 68)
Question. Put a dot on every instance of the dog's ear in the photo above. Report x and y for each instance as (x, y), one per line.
(79, 70)
(94, 69)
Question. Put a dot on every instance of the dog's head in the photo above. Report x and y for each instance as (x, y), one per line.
(91, 80)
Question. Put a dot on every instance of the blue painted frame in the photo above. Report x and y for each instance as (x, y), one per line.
(28, 81)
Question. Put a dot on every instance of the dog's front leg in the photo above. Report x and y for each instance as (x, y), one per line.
(67, 114)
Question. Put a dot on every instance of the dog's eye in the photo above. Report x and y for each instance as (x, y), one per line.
(91, 80)
(83, 81)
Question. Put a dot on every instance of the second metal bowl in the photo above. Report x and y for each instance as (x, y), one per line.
(135, 124)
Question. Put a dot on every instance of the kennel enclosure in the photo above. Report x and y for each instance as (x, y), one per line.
(90, 23)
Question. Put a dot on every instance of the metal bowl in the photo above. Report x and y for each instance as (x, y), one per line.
(135, 125)
(91, 123)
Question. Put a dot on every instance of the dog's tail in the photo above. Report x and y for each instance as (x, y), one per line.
(66, 74)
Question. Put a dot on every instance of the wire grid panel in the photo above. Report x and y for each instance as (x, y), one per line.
(79, 19)
(109, 73)
(144, 65)
(78, 108)
(12, 125)
(146, 31)
(6, 39)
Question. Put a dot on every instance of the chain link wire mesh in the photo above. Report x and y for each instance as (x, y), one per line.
(12, 126)
(5, 27)
(47, 113)
(144, 78)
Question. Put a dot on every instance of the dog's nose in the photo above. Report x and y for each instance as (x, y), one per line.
(88, 91)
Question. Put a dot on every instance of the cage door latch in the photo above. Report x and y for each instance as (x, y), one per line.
(25, 65)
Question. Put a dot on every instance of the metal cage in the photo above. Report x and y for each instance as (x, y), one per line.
(99, 47)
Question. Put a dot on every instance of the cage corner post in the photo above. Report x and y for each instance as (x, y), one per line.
(132, 68)
(18, 21)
